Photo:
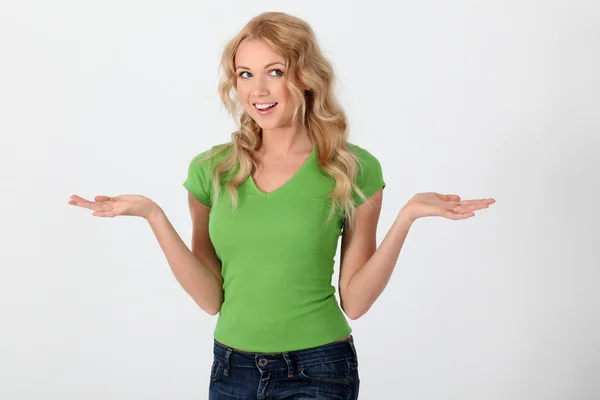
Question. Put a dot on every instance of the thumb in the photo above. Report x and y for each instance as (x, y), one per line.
(450, 197)
(102, 198)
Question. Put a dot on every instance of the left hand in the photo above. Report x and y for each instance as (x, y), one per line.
(444, 205)
(105, 206)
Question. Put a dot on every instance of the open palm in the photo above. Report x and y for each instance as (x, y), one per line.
(105, 206)
(445, 205)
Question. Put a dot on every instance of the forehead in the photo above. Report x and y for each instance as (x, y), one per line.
(256, 54)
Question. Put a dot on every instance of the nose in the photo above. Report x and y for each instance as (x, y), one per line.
(260, 88)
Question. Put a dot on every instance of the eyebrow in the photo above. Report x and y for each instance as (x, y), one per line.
(266, 66)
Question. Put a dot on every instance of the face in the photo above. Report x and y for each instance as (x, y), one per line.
(261, 85)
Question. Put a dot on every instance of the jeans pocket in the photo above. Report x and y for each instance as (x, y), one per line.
(215, 370)
(331, 372)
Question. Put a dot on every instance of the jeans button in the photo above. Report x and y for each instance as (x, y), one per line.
(262, 362)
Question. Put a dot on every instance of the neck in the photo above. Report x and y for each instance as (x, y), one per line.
(281, 142)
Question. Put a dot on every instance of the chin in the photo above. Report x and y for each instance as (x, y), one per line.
(270, 122)
(268, 127)
(266, 123)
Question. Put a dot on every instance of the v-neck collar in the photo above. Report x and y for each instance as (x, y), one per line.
(304, 165)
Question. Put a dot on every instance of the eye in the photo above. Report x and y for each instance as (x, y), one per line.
(276, 72)
(241, 74)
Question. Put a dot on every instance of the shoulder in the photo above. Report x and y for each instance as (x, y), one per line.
(366, 158)
(209, 154)
(369, 174)
(199, 180)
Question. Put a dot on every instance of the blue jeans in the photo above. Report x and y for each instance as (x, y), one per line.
(325, 372)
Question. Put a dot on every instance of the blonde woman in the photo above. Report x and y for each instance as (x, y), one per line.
(268, 208)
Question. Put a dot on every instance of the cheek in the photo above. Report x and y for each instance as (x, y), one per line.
(242, 92)
(283, 92)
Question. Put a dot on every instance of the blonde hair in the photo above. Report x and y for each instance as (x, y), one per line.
(318, 113)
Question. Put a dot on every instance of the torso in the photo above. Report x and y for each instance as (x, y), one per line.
(277, 252)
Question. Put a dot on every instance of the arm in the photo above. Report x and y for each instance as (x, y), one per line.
(365, 269)
(197, 271)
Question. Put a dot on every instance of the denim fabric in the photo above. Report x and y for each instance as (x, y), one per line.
(325, 372)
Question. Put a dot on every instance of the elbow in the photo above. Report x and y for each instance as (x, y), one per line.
(211, 310)
(351, 308)
(211, 306)
(353, 313)
(354, 316)
(216, 308)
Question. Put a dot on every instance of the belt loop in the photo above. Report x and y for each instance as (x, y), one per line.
(226, 365)
(290, 364)
(354, 353)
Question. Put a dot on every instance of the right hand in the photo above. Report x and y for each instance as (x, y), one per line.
(105, 206)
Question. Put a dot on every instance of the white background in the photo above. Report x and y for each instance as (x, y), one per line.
(480, 98)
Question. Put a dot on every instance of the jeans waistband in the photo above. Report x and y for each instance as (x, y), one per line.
(331, 352)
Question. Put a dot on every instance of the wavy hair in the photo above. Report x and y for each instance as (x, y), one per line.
(318, 112)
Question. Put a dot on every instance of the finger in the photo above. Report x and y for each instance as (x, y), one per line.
(90, 205)
(80, 201)
(102, 198)
(470, 207)
(76, 198)
(451, 205)
(464, 216)
(471, 204)
(459, 216)
(105, 214)
(482, 201)
(449, 197)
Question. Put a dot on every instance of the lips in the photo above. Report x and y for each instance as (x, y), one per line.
(265, 108)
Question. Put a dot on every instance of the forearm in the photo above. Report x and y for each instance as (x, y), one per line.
(195, 278)
(370, 281)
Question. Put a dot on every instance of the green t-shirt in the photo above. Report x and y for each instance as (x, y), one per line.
(277, 256)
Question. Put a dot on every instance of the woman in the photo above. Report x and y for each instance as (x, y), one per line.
(268, 209)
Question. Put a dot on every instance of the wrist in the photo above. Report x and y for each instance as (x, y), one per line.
(406, 214)
(154, 214)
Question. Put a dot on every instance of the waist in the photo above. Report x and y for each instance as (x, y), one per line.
(342, 349)
(344, 339)
(267, 330)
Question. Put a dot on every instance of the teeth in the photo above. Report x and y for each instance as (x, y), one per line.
(263, 106)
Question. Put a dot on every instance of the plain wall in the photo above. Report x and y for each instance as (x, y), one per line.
(479, 98)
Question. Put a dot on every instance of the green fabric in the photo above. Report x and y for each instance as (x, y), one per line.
(277, 256)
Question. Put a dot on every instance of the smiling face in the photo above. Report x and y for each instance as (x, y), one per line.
(261, 85)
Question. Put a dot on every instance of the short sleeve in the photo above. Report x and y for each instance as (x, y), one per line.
(199, 178)
(369, 176)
